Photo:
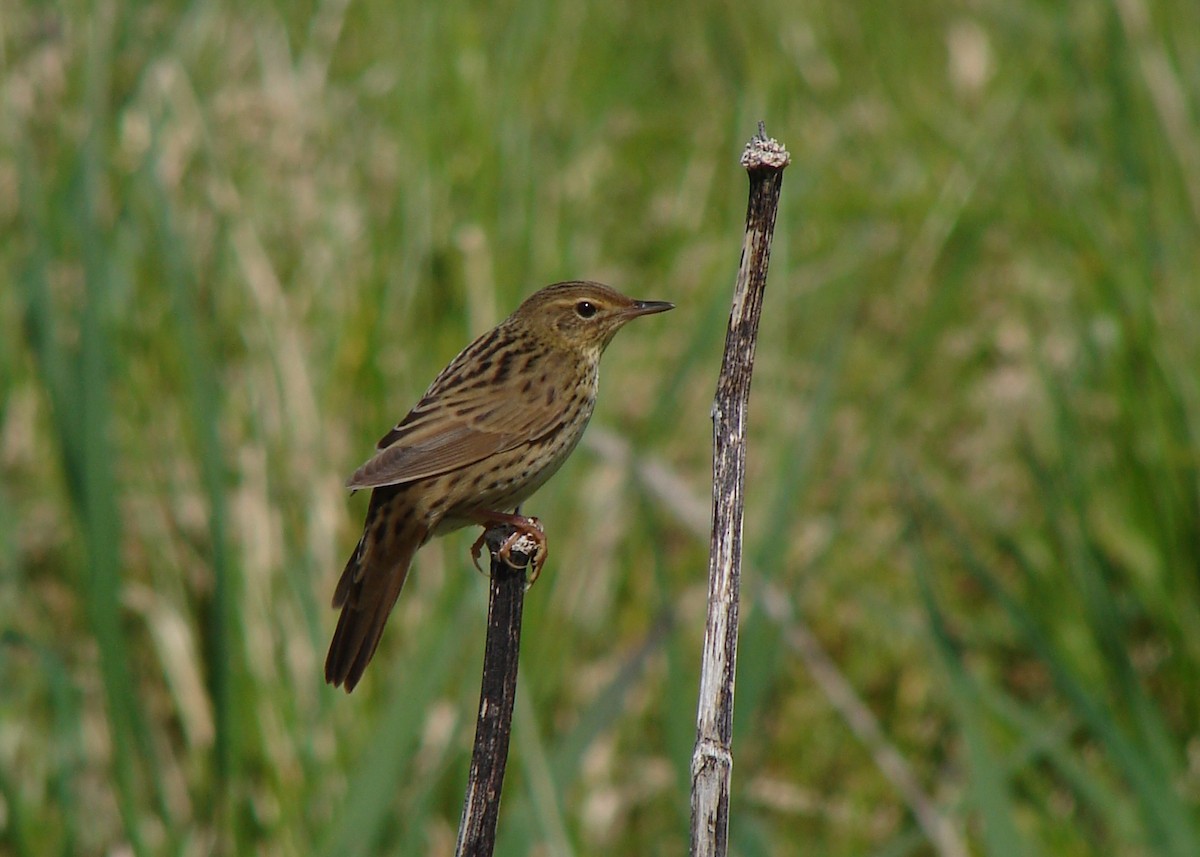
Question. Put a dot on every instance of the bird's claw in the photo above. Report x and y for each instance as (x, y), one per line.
(523, 527)
(536, 556)
(477, 551)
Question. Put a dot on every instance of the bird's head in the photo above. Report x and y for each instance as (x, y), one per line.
(580, 315)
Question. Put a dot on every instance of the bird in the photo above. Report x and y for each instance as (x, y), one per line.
(493, 426)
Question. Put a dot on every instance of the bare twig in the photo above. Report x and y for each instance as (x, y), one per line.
(865, 726)
(712, 759)
(673, 493)
(506, 600)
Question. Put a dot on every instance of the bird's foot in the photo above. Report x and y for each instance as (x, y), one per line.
(524, 527)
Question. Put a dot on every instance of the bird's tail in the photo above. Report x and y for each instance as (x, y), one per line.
(371, 582)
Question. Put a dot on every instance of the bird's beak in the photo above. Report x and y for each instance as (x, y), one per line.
(648, 308)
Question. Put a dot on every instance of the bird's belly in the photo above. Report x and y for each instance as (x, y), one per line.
(503, 481)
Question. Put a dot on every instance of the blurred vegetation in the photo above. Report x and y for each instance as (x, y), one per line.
(239, 239)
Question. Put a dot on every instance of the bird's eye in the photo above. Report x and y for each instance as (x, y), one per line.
(585, 309)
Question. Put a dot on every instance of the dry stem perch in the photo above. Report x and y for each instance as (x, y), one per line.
(712, 760)
(498, 690)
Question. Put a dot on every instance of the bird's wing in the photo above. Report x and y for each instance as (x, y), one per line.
(464, 418)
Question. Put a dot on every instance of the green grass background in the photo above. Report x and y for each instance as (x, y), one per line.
(238, 239)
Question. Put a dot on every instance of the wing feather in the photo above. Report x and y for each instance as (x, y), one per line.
(462, 419)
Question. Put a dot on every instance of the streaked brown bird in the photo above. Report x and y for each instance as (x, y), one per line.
(489, 431)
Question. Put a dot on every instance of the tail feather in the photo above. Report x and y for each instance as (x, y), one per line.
(371, 583)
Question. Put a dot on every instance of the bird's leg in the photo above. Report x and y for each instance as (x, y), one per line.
(524, 526)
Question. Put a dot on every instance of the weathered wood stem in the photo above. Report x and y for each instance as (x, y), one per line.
(712, 760)
(497, 693)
